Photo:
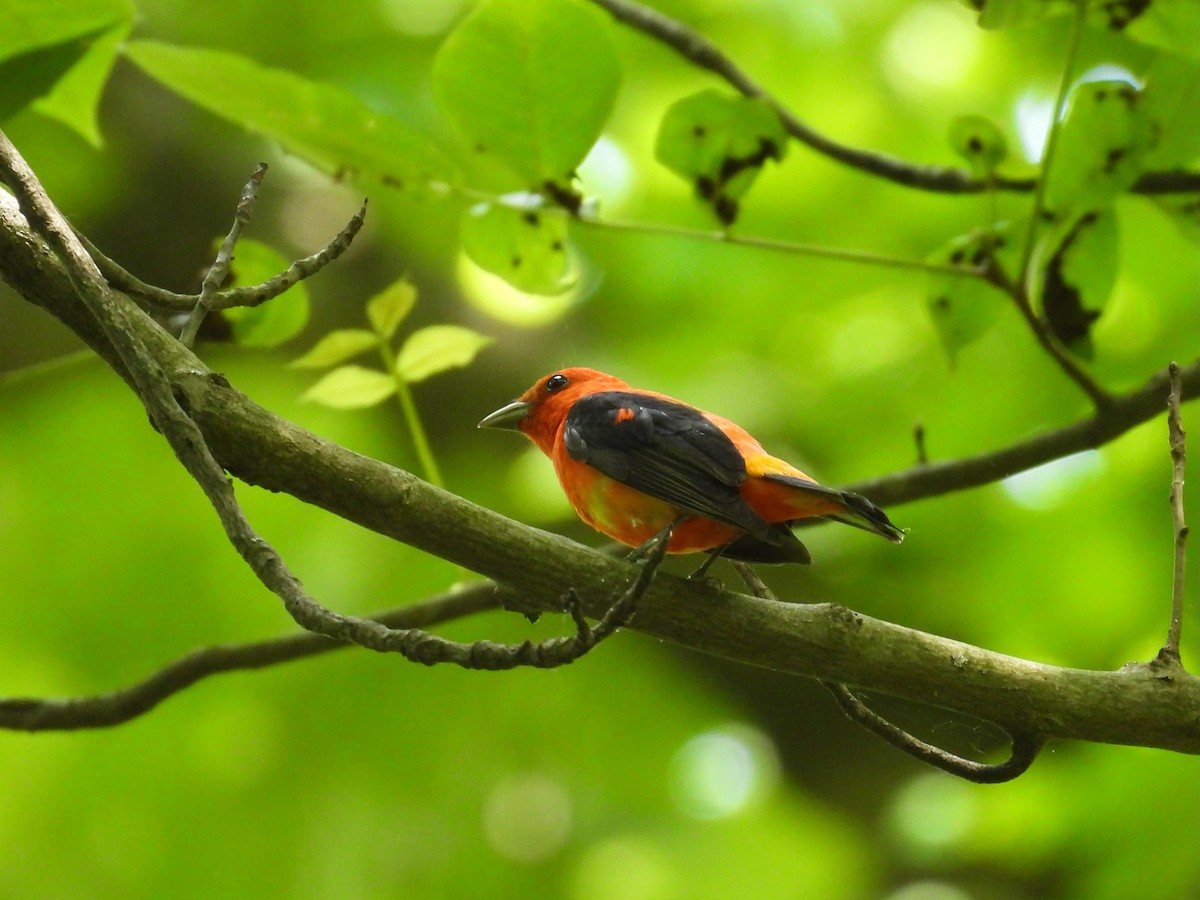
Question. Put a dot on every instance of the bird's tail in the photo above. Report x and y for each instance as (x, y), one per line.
(858, 511)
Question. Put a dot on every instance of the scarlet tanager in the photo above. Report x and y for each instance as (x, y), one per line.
(633, 462)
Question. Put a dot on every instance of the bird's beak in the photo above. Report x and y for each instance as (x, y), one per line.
(507, 416)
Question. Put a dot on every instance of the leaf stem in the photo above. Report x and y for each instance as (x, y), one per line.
(1048, 151)
(413, 418)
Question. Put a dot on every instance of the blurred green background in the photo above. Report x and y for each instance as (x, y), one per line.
(644, 771)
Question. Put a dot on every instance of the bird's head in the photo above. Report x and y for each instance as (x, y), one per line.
(541, 410)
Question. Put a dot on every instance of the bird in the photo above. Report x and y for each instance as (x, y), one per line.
(635, 463)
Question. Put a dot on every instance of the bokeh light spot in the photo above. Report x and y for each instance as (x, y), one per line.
(932, 813)
(527, 818)
(629, 867)
(1045, 487)
(718, 773)
(931, 46)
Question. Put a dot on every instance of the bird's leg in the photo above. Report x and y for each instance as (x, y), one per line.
(663, 536)
(712, 557)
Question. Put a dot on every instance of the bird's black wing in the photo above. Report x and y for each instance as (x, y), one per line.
(667, 450)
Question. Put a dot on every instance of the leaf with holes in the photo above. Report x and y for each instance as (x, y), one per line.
(1075, 266)
(387, 309)
(351, 387)
(978, 141)
(279, 319)
(720, 142)
(337, 347)
(526, 247)
(437, 348)
(530, 81)
(1102, 145)
(963, 308)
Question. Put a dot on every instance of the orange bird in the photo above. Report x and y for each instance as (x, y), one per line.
(634, 462)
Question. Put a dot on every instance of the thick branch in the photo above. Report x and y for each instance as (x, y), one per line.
(823, 640)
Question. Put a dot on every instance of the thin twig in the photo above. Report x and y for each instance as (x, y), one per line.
(1177, 438)
(1024, 749)
(701, 52)
(220, 267)
(244, 295)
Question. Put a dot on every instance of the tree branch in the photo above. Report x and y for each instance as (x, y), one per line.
(702, 53)
(824, 641)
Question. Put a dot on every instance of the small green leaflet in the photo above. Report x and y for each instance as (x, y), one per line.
(963, 308)
(978, 141)
(325, 125)
(1102, 143)
(280, 318)
(526, 247)
(437, 348)
(530, 81)
(351, 387)
(336, 347)
(720, 142)
(387, 309)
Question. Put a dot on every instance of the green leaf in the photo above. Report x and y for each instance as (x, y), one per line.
(1076, 267)
(336, 347)
(531, 81)
(963, 308)
(720, 142)
(1102, 145)
(978, 141)
(996, 14)
(351, 387)
(526, 247)
(1184, 212)
(1172, 25)
(280, 318)
(27, 25)
(1172, 106)
(387, 309)
(438, 348)
(75, 98)
(327, 126)
(29, 76)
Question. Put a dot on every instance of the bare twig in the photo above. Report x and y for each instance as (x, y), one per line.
(1024, 749)
(220, 267)
(1177, 438)
(243, 295)
(704, 54)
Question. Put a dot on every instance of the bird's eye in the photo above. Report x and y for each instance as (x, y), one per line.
(557, 382)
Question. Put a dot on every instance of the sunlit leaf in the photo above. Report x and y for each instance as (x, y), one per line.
(336, 347)
(75, 98)
(720, 142)
(280, 318)
(26, 77)
(1172, 25)
(1172, 106)
(387, 309)
(978, 141)
(1102, 145)
(525, 247)
(30, 24)
(1184, 212)
(327, 126)
(1076, 266)
(963, 308)
(437, 348)
(351, 387)
(530, 81)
